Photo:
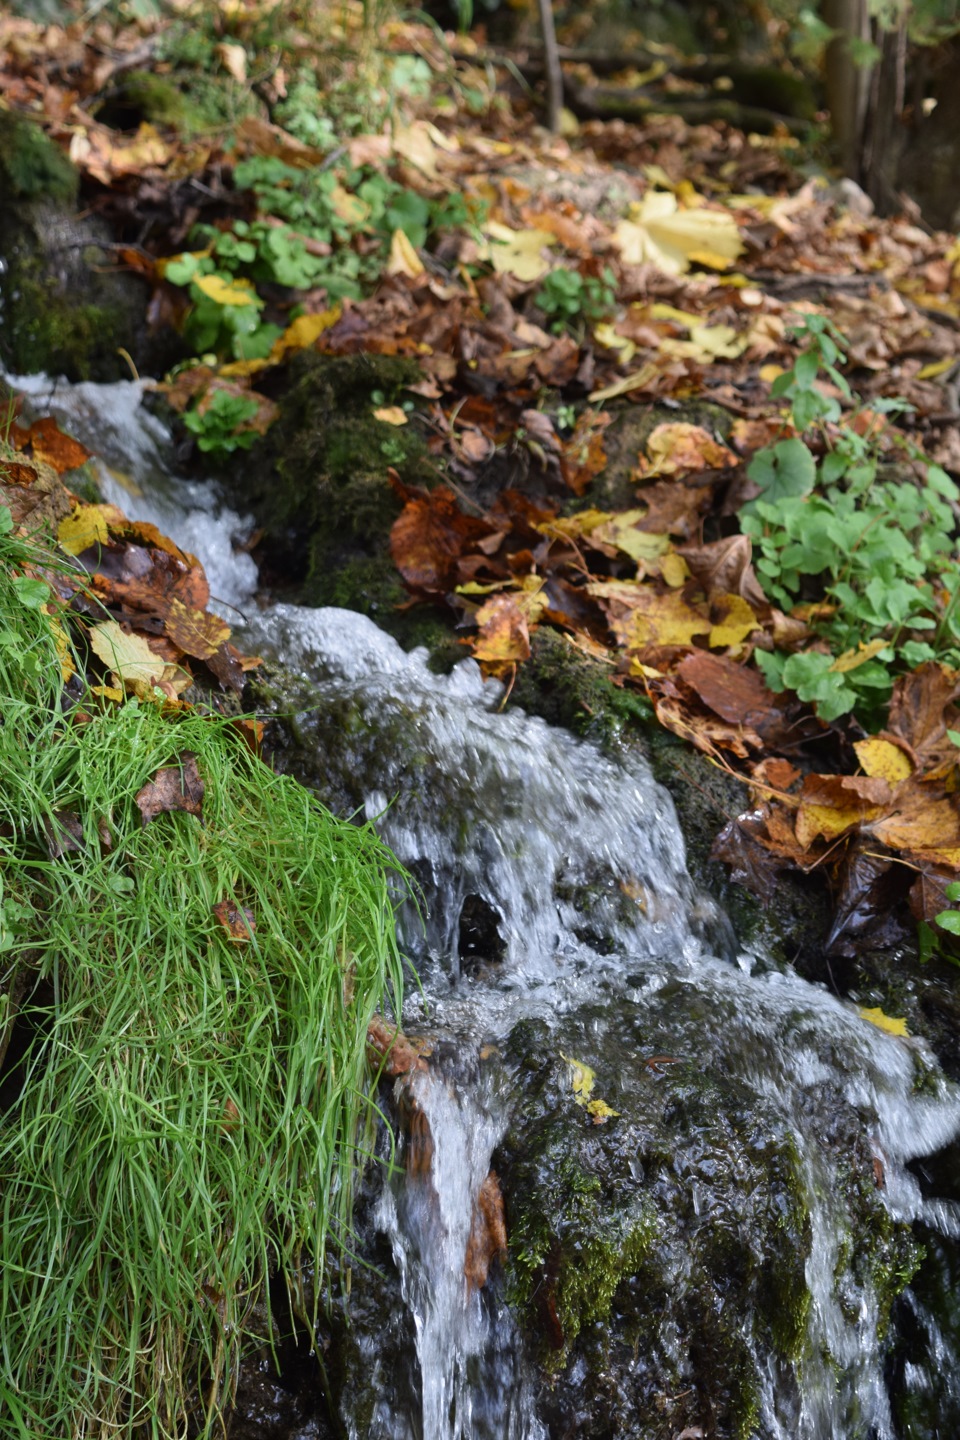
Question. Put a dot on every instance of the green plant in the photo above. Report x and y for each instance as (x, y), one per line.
(192, 1100)
(870, 556)
(217, 423)
(571, 298)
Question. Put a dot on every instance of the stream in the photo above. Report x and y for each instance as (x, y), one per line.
(715, 1177)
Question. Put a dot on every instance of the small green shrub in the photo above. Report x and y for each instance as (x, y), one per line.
(875, 554)
(571, 299)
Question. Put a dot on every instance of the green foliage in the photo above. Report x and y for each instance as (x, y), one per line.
(872, 555)
(216, 427)
(570, 298)
(189, 1107)
(312, 205)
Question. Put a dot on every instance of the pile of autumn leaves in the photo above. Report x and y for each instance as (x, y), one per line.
(144, 599)
(680, 619)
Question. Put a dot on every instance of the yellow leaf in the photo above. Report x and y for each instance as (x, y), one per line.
(391, 415)
(850, 659)
(64, 651)
(415, 143)
(403, 259)
(830, 821)
(136, 666)
(660, 234)
(736, 624)
(349, 207)
(303, 332)
(721, 341)
(600, 1111)
(674, 569)
(85, 526)
(663, 620)
(582, 1077)
(883, 1022)
(609, 338)
(620, 530)
(883, 759)
(640, 380)
(769, 373)
(936, 367)
(223, 292)
(519, 252)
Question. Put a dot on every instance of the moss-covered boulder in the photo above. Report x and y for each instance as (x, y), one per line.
(320, 482)
(66, 308)
(658, 1255)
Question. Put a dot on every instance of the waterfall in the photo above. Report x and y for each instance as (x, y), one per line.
(760, 1137)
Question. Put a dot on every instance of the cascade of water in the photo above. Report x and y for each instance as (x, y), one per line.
(575, 866)
(471, 1381)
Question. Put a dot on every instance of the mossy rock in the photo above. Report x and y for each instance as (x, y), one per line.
(32, 166)
(320, 484)
(65, 311)
(658, 1255)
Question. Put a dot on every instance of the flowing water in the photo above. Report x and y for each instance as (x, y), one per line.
(764, 1165)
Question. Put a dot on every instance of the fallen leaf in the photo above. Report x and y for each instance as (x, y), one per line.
(195, 632)
(174, 787)
(678, 448)
(504, 635)
(884, 759)
(882, 1021)
(403, 258)
(46, 441)
(518, 252)
(660, 234)
(236, 920)
(136, 665)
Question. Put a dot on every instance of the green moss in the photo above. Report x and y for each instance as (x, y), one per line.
(45, 330)
(319, 481)
(161, 101)
(568, 688)
(32, 166)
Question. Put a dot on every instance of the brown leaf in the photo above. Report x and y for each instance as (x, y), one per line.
(429, 536)
(174, 787)
(918, 820)
(237, 921)
(46, 441)
(732, 691)
(488, 1233)
(504, 637)
(64, 831)
(389, 1048)
(922, 707)
(196, 632)
(725, 567)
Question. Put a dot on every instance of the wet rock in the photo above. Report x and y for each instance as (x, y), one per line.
(66, 308)
(659, 1257)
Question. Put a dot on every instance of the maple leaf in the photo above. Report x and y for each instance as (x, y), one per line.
(660, 234)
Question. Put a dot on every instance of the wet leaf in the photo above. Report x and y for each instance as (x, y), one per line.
(173, 787)
(134, 663)
(46, 441)
(236, 920)
(504, 636)
(195, 632)
(883, 1022)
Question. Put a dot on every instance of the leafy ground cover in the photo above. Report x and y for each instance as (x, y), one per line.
(191, 950)
(781, 586)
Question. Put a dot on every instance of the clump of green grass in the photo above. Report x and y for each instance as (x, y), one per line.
(191, 1105)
